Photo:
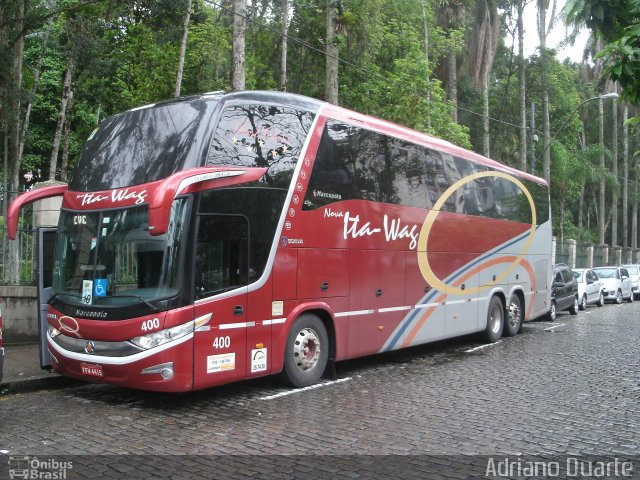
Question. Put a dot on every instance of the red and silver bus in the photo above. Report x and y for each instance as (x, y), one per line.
(223, 237)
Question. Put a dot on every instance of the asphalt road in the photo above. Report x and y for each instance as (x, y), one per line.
(566, 394)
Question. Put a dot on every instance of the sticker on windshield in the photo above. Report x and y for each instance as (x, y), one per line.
(87, 292)
(100, 287)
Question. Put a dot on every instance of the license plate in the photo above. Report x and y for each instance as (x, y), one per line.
(91, 370)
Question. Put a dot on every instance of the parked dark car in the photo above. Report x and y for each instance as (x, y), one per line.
(564, 291)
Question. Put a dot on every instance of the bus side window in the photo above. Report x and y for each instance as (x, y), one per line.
(330, 179)
(222, 255)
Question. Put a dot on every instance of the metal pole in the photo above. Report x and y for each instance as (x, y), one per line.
(532, 137)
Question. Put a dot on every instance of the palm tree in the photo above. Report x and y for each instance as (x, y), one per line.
(450, 16)
(483, 45)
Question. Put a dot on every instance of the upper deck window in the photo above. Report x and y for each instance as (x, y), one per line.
(144, 145)
(261, 136)
(354, 163)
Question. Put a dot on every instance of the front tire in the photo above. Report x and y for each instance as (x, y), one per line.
(551, 315)
(307, 351)
(630, 299)
(600, 299)
(513, 323)
(583, 302)
(495, 320)
(574, 308)
(619, 297)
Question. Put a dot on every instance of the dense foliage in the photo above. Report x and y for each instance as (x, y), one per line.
(71, 63)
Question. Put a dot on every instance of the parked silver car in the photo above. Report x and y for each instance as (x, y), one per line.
(634, 275)
(590, 288)
(617, 284)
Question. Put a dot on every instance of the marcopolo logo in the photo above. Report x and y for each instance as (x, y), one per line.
(38, 468)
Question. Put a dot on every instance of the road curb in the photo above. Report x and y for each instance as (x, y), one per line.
(35, 384)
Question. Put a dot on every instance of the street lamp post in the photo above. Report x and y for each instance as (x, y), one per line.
(566, 120)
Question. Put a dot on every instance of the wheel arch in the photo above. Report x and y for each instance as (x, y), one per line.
(326, 315)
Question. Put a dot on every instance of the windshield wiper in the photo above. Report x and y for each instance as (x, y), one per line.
(71, 294)
(133, 295)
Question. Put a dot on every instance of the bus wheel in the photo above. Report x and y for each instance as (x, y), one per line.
(307, 351)
(513, 325)
(495, 320)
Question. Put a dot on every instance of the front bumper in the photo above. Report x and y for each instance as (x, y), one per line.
(165, 369)
(610, 295)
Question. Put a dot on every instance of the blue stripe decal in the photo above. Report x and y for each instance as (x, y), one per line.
(411, 317)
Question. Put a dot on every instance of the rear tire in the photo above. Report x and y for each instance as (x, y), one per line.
(513, 323)
(495, 320)
(307, 351)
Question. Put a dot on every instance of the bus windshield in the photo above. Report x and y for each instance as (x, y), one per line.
(109, 259)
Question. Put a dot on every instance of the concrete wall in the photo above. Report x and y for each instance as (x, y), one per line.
(19, 314)
(20, 303)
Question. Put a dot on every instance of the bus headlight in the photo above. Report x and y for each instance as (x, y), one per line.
(155, 339)
(53, 331)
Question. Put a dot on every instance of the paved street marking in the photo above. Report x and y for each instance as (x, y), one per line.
(300, 390)
(555, 326)
(483, 346)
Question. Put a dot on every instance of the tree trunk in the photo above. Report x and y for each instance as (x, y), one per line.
(583, 146)
(614, 171)
(34, 89)
(18, 52)
(283, 57)
(238, 77)
(522, 89)
(64, 162)
(601, 213)
(485, 117)
(332, 54)
(452, 82)
(426, 58)
(542, 32)
(3, 117)
(625, 174)
(66, 90)
(183, 48)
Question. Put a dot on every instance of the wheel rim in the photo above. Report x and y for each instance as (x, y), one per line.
(619, 297)
(553, 311)
(306, 349)
(584, 302)
(575, 304)
(495, 318)
(514, 314)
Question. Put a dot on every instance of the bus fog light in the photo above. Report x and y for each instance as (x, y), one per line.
(164, 369)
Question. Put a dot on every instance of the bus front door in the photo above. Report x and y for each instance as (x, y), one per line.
(46, 244)
(220, 282)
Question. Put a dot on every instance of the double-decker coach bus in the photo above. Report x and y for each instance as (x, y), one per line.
(222, 237)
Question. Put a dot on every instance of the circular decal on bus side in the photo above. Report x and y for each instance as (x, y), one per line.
(423, 257)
